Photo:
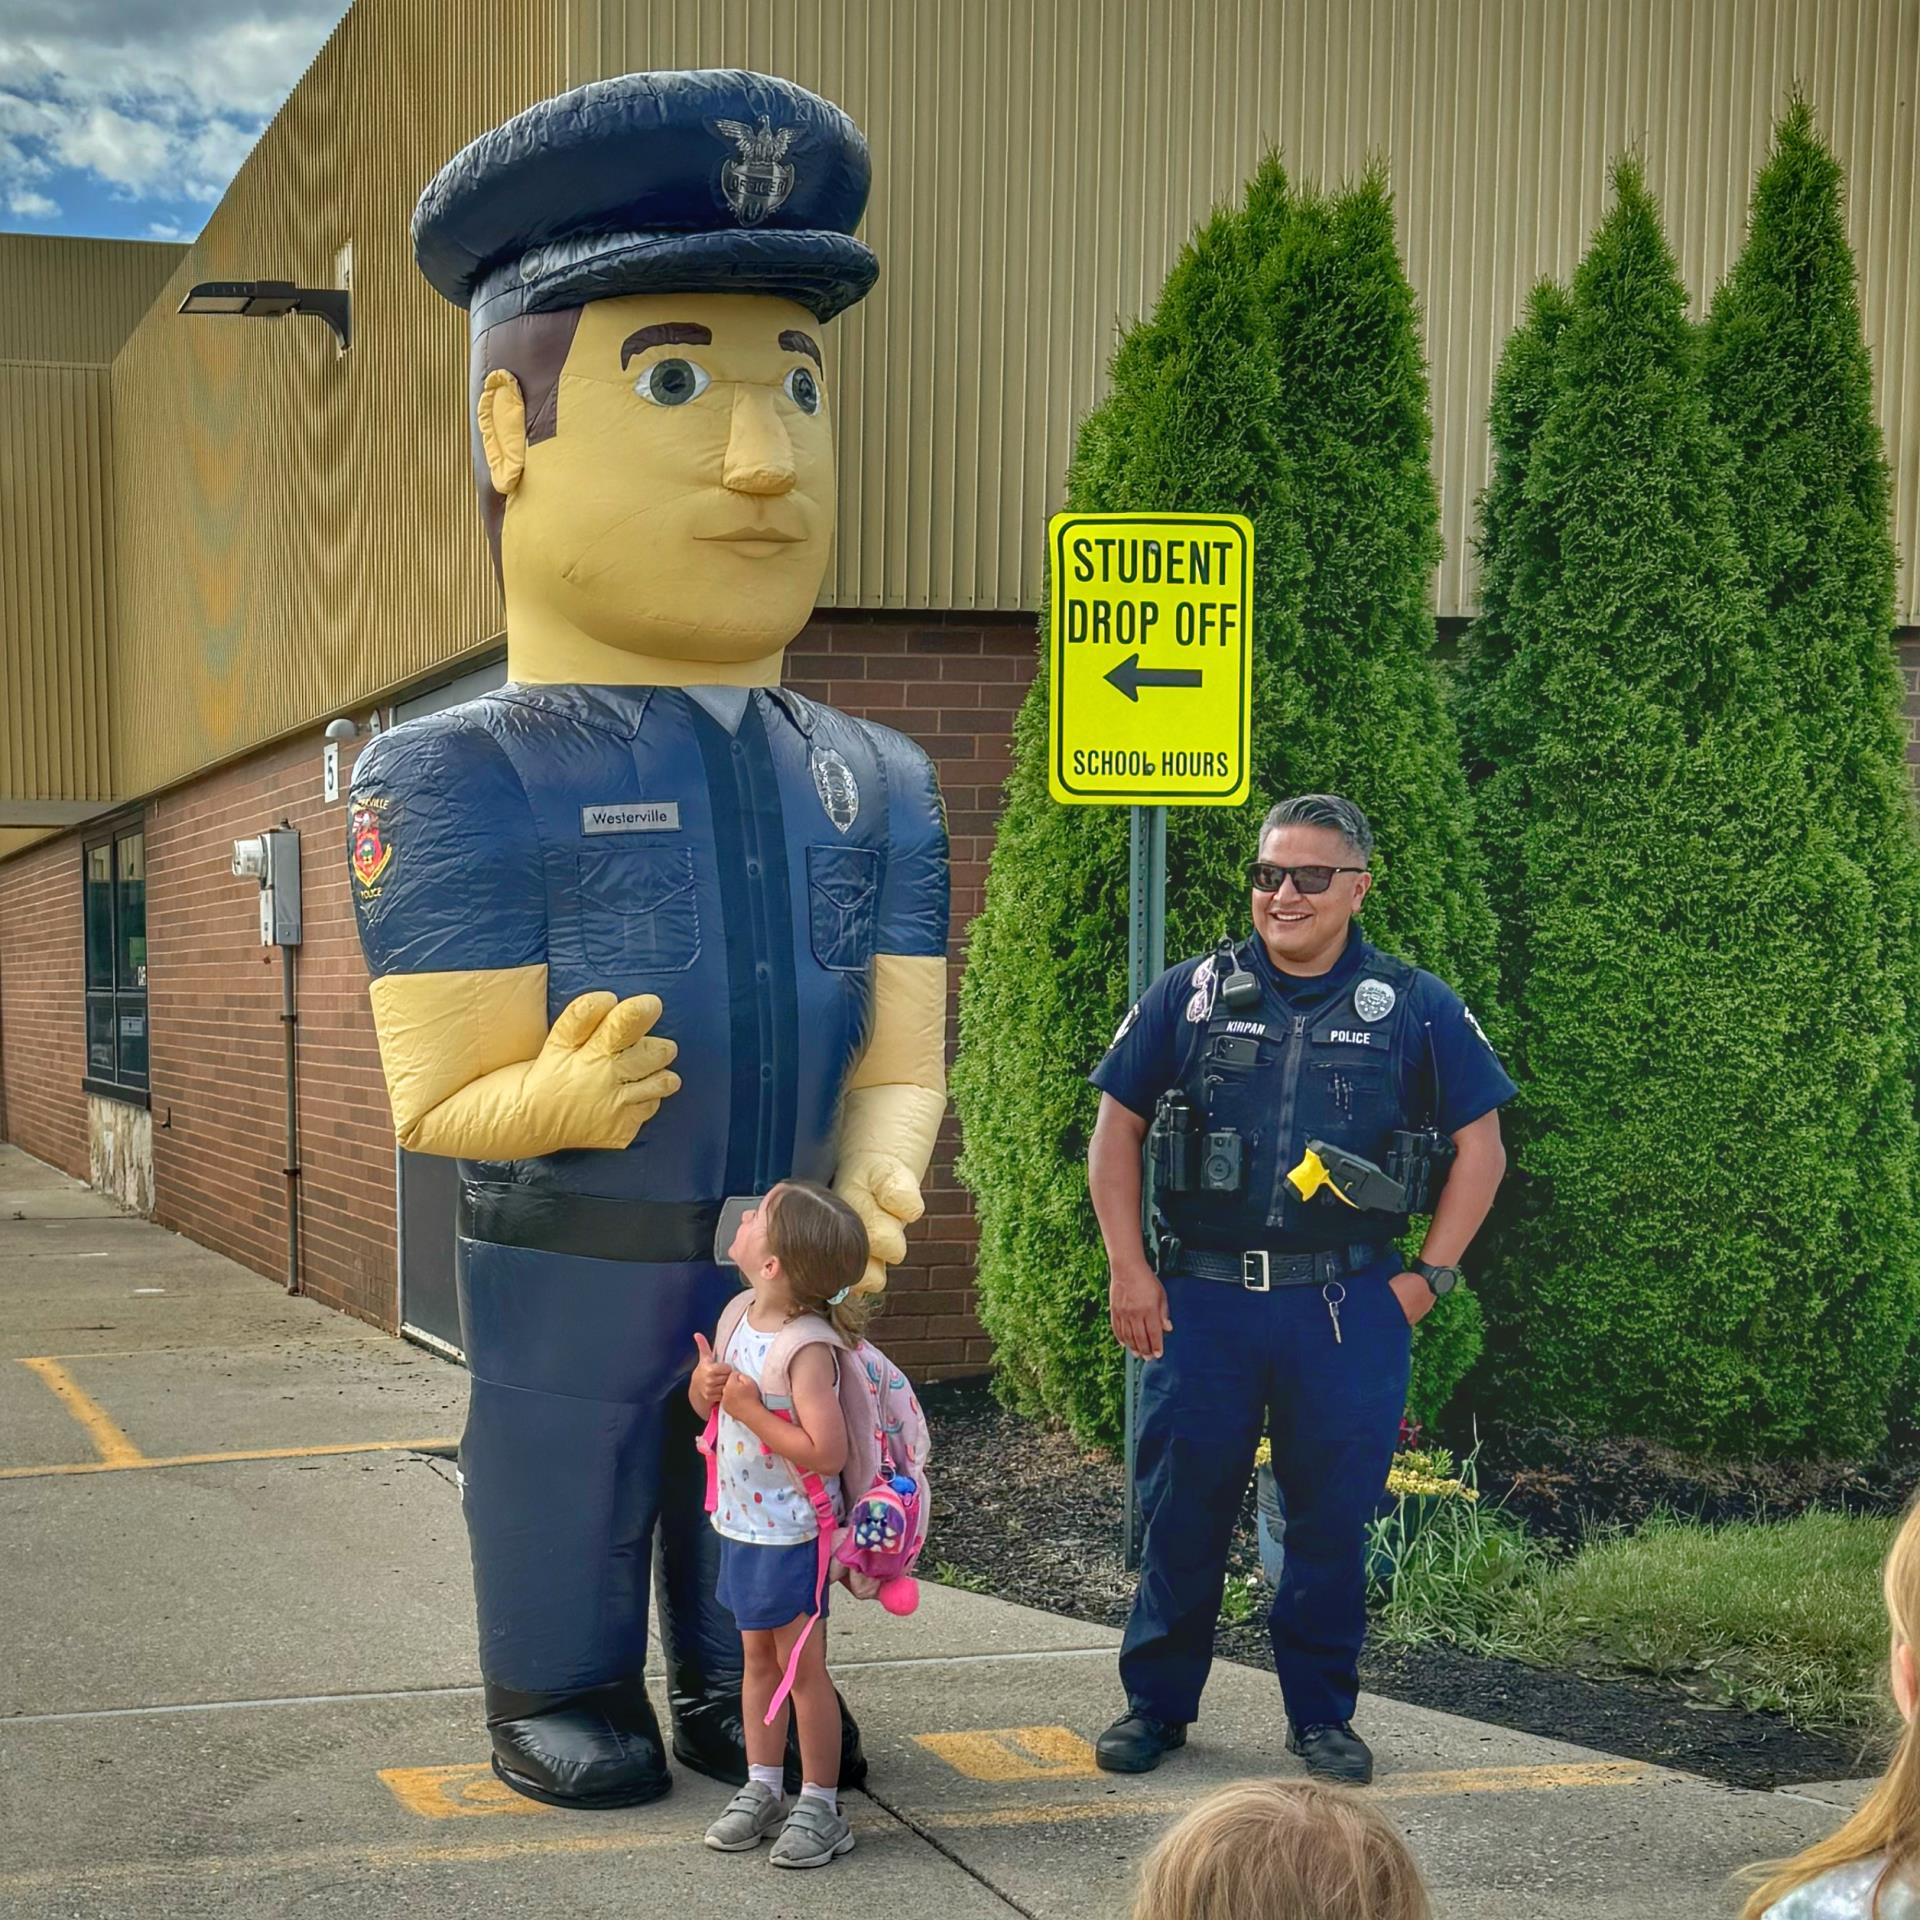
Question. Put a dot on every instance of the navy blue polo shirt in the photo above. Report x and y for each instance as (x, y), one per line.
(1454, 1067)
(744, 860)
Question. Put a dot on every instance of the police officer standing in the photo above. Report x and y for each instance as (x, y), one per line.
(1307, 1093)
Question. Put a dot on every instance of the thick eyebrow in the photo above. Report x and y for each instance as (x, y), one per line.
(797, 342)
(670, 333)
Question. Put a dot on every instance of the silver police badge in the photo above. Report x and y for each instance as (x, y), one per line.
(759, 177)
(838, 790)
(1373, 1000)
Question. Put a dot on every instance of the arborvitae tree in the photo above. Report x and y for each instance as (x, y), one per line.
(1522, 390)
(1683, 929)
(1790, 379)
(1207, 413)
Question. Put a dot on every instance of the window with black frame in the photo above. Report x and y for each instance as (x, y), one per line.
(114, 892)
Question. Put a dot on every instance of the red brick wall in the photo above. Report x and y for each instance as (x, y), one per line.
(43, 1026)
(953, 683)
(214, 1000)
(217, 1074)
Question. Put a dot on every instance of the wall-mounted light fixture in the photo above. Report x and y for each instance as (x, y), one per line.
(273, 300)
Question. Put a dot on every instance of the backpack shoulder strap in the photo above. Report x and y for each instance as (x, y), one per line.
(730, 1317)
(809, 1330)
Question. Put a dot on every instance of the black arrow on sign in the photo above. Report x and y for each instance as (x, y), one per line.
(1130, 676)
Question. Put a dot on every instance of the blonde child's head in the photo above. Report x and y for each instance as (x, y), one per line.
(1887, 1826)
(821, 1246)
(1282, 1850)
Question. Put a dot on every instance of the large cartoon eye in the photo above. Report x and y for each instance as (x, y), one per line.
(672, 383)
(803, 390)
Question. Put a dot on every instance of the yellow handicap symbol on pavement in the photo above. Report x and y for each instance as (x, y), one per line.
(1014, 1753)
(455, 1793)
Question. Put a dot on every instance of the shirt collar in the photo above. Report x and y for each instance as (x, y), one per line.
(1318, 986)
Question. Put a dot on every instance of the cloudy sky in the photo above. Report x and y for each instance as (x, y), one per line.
(129, 117)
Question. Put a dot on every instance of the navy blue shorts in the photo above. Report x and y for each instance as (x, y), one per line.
(768, 1587)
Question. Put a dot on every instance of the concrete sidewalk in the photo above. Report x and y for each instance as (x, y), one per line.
(237, 1669)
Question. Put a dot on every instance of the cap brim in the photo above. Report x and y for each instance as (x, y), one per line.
(823, 272)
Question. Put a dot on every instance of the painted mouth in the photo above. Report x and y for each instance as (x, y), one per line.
(763, 538)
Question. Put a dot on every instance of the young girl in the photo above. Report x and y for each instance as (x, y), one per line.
(802, 1250)
(1282, 1850)
(1866, 1871)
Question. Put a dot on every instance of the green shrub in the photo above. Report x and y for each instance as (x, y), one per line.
(1280, 377)
(1681, 931)
(1789, 377)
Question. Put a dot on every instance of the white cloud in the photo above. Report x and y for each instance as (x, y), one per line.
(168, 230)
(154, 98)
(32, 206)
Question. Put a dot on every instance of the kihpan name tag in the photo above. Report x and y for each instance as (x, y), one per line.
(636, 816)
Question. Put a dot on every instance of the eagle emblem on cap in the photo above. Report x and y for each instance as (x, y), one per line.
(759, 177)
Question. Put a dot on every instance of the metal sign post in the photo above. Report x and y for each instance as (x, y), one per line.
(1146, 961)
(1149, 705)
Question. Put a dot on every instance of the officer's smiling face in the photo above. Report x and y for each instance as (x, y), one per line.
(683, 505)
(1304, 932)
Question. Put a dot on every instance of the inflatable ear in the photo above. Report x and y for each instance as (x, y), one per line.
(503, 429)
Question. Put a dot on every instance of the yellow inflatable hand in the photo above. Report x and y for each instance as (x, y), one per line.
(601, 1075)
(883, 1192)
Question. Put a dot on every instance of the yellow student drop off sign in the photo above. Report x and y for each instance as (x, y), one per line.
(1151, 658)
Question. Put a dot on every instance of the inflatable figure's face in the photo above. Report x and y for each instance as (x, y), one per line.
(681, 506)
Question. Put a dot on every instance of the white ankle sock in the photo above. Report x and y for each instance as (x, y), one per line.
(831, 1795)
(772, 1778)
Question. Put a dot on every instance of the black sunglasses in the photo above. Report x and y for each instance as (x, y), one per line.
(1263, 876)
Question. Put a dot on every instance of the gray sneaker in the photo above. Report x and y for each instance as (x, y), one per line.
(751, 1815)
(813, 1836)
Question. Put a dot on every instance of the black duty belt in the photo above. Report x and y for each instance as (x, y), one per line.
(1259, 1270)
(662, 1232)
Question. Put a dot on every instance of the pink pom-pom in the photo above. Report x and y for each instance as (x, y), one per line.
(899, 1595)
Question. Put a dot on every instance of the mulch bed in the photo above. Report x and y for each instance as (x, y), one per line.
(1040, 1525)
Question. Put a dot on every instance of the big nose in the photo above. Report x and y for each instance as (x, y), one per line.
(759, 451)
(1286, 887)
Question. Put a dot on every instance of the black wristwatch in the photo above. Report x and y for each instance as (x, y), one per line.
(1442, 1280)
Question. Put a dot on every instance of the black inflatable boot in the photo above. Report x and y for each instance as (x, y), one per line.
(709, 1738)
(592, 1751)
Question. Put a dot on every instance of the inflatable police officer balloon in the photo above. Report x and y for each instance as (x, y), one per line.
(646, 930)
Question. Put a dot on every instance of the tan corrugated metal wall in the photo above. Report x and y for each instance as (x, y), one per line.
(65, 307)
(298, 530)
(1039, 162)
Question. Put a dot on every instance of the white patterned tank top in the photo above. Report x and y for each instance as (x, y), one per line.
(760, 1501)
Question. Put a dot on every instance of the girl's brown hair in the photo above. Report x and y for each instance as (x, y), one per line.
(1888, 1822)
(1282, 1850)
(822, 1249)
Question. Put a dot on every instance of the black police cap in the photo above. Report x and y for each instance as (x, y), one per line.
(704, 181)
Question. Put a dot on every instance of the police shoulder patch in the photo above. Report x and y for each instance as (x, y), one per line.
(371, 851)
(1477, 1027)
(1126, 1026)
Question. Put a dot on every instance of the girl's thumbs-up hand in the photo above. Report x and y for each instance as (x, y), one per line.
(710, 1376)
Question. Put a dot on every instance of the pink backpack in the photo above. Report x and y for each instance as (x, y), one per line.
(873, 1550)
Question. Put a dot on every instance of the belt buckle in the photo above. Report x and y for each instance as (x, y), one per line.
(1256, 1261)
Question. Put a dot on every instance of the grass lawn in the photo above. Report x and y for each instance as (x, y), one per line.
(1782, 1616)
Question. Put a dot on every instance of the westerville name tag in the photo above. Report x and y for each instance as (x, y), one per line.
(636, 816)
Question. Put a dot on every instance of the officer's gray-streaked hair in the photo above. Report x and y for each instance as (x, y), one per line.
(1323, 810)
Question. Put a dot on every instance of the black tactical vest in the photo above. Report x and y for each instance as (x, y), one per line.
(1338, 1069)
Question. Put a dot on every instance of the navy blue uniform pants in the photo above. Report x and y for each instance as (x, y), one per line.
(580, 1473)
(1235, 1363)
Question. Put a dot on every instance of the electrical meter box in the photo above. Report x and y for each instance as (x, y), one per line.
(273, 858)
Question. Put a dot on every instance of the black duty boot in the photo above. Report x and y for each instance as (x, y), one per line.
(1136, 1742)
(1333, 1753)
(595, 1749)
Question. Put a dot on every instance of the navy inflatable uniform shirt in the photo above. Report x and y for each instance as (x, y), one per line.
(743, 856)
(1347, 1056)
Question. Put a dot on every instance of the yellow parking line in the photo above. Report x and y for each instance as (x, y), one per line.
(141, 1464)
(108, 1436)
